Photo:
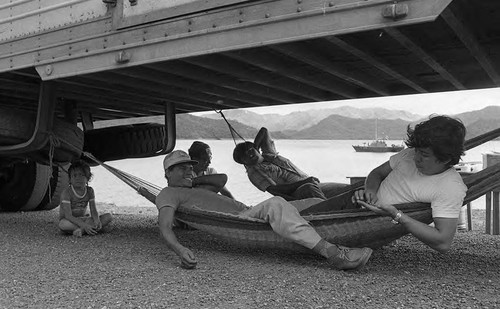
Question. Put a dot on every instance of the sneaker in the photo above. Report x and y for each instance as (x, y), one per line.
(350, 258)
(77, 233)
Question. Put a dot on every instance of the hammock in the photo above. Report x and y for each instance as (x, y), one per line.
(350, 227)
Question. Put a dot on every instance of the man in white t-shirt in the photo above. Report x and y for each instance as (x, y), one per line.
(422, 173)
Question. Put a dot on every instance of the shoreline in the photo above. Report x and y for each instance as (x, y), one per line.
(130, 266)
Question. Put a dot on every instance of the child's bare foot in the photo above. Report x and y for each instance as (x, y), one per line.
(77, 233)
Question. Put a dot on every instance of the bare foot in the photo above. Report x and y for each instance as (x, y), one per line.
(77, 233)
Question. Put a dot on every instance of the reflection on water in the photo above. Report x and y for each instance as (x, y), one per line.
(328, 160)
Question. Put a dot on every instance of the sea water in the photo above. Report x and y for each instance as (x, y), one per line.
(328, 160)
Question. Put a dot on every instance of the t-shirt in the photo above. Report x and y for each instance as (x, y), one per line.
(445, 191)
(177, 197)
(274, 170)
(77, 203)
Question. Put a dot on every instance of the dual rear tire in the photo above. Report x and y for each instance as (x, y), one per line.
(30, 186)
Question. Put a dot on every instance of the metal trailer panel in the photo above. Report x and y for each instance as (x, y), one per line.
(27, 18)
(272, 23)
(139, 12)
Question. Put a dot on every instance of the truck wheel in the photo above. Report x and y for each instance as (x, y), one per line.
(28, 186)
(127, 141)
(17, 127)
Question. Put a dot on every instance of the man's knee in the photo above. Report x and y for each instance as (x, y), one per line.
(277, 200)
(309, 190)
(278, 205)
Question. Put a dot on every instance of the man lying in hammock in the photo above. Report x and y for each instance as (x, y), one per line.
(422, 173)
(271, 172)
(201, 192)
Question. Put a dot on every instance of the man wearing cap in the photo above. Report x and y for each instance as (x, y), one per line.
(271, 172)
(185, 191)
(202, 153)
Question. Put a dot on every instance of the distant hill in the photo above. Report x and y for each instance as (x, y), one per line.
(339, 127)
(482, 126)
(487, 113)
(297, 121)
(330, 127)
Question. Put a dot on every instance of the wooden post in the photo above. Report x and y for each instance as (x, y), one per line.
(469, 217)
(496, 213)
(488, 212)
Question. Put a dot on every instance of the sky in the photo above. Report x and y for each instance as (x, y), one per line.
(450, 103)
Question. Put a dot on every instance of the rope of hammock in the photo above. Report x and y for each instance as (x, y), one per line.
(143, 187)
(231, 128)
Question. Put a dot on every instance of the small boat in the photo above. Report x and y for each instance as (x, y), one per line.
(378, 145)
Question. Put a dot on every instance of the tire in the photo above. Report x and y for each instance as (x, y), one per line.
(30, 186)
(17, 127)
(127, 141)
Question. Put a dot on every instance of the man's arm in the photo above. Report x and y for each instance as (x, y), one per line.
(438, 237)
(212, 182)
(224, 191)
(372, 183)
(264, 142)
(165, 221)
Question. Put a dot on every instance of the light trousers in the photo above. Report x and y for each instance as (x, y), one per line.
(285, 220)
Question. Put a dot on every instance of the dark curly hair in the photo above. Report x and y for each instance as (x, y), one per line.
(198, 149)
(443, 134)
(240, 151)
(82, 165)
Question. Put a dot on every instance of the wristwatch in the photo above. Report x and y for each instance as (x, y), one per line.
(396, 218)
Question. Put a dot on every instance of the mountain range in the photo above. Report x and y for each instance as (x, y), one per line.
(336, 123)
(297, 121)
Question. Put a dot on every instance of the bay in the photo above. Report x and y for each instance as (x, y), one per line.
(328, 160)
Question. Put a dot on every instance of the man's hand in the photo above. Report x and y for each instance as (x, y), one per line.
(311, 179)
(384, 210)
(368, 196)
(188, 260)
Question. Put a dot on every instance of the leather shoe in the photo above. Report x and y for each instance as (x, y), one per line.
(350, 258)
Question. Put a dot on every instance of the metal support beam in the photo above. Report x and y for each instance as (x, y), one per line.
(469, 40)
(424, 56)
(372, 60)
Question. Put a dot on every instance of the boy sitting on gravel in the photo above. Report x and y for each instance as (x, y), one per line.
(422, 173)
(284, 218)
(74, 201)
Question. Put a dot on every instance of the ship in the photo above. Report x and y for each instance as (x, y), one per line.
(378, 145)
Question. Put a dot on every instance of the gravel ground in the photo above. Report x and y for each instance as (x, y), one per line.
(130, 267)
